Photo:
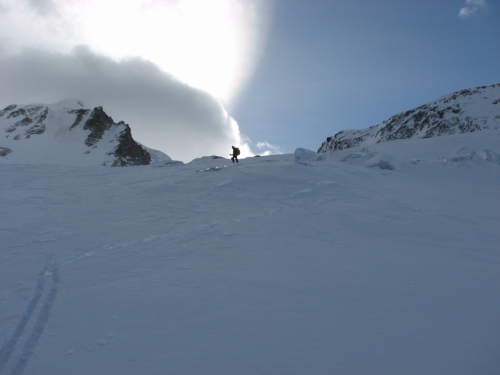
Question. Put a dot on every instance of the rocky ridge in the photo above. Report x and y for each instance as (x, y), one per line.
(463, 111)
(67, 133)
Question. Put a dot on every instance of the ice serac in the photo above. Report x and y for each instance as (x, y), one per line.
(463, 111)
(66, 133)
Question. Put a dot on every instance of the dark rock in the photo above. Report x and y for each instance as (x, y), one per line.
(79, 116)
(129, 152)
(4, 151)
(36, 130)
(8, 109)
(42, 116)
(24, 122)
(17, 113)
(32, 109)
(98, 123)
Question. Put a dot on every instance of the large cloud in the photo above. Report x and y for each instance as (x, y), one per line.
(164, 113)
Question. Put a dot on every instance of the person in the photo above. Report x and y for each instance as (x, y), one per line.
(234, 155)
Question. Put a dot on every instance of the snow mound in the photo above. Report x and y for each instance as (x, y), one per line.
(364, 154)
(383, 164)
(465, 154)
(303, 155)
(490, 156)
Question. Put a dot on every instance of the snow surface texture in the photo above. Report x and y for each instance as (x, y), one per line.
(375, 260)
(67, 134)
(464, 111)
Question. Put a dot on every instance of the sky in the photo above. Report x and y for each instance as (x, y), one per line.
(194, 77)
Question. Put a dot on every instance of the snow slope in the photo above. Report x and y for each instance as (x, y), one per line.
(376, 260)
(464, 111)
(65, 133)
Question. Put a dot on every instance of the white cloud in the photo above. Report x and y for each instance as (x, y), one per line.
(474, 7)
(43, 7)
(266, 148)
(213, 45)
(163, 112)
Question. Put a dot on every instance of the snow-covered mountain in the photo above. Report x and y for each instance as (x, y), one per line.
(463, 111)
(66, 133)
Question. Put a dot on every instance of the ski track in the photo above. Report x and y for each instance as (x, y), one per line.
(213, 225)
(32, 341)
(10, 343)
(43, 317)
(201, 228)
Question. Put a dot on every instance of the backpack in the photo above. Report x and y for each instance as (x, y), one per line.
(236, 151)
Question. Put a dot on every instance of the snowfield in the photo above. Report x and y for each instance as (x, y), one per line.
(378, 260)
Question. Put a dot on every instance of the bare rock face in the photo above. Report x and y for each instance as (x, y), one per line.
(79, 116)
(98, 123)
(28, 120)
(464, 111)
(128, 151)
(4, 151)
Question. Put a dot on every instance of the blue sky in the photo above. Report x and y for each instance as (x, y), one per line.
(334, 65)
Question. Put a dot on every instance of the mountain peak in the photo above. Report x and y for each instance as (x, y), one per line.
(67, 133)
(463, 111)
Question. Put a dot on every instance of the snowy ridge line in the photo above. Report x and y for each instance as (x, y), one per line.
(10, 343)
(43, 317)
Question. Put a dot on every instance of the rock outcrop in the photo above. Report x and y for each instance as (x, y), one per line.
(463, 111)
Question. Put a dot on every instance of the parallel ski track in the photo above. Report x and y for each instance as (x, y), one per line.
(32, 341)
(43, 317)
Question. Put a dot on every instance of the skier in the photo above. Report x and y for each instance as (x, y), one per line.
(234, 155)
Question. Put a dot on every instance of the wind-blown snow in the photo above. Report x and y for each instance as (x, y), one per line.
(337, 265)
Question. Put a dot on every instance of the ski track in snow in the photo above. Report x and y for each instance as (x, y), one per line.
(10, 343)
(43, 317)
(200, 229)
(208, 228)
(32, 341)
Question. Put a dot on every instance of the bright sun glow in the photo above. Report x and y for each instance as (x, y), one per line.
(200, 42)
(209, 44)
